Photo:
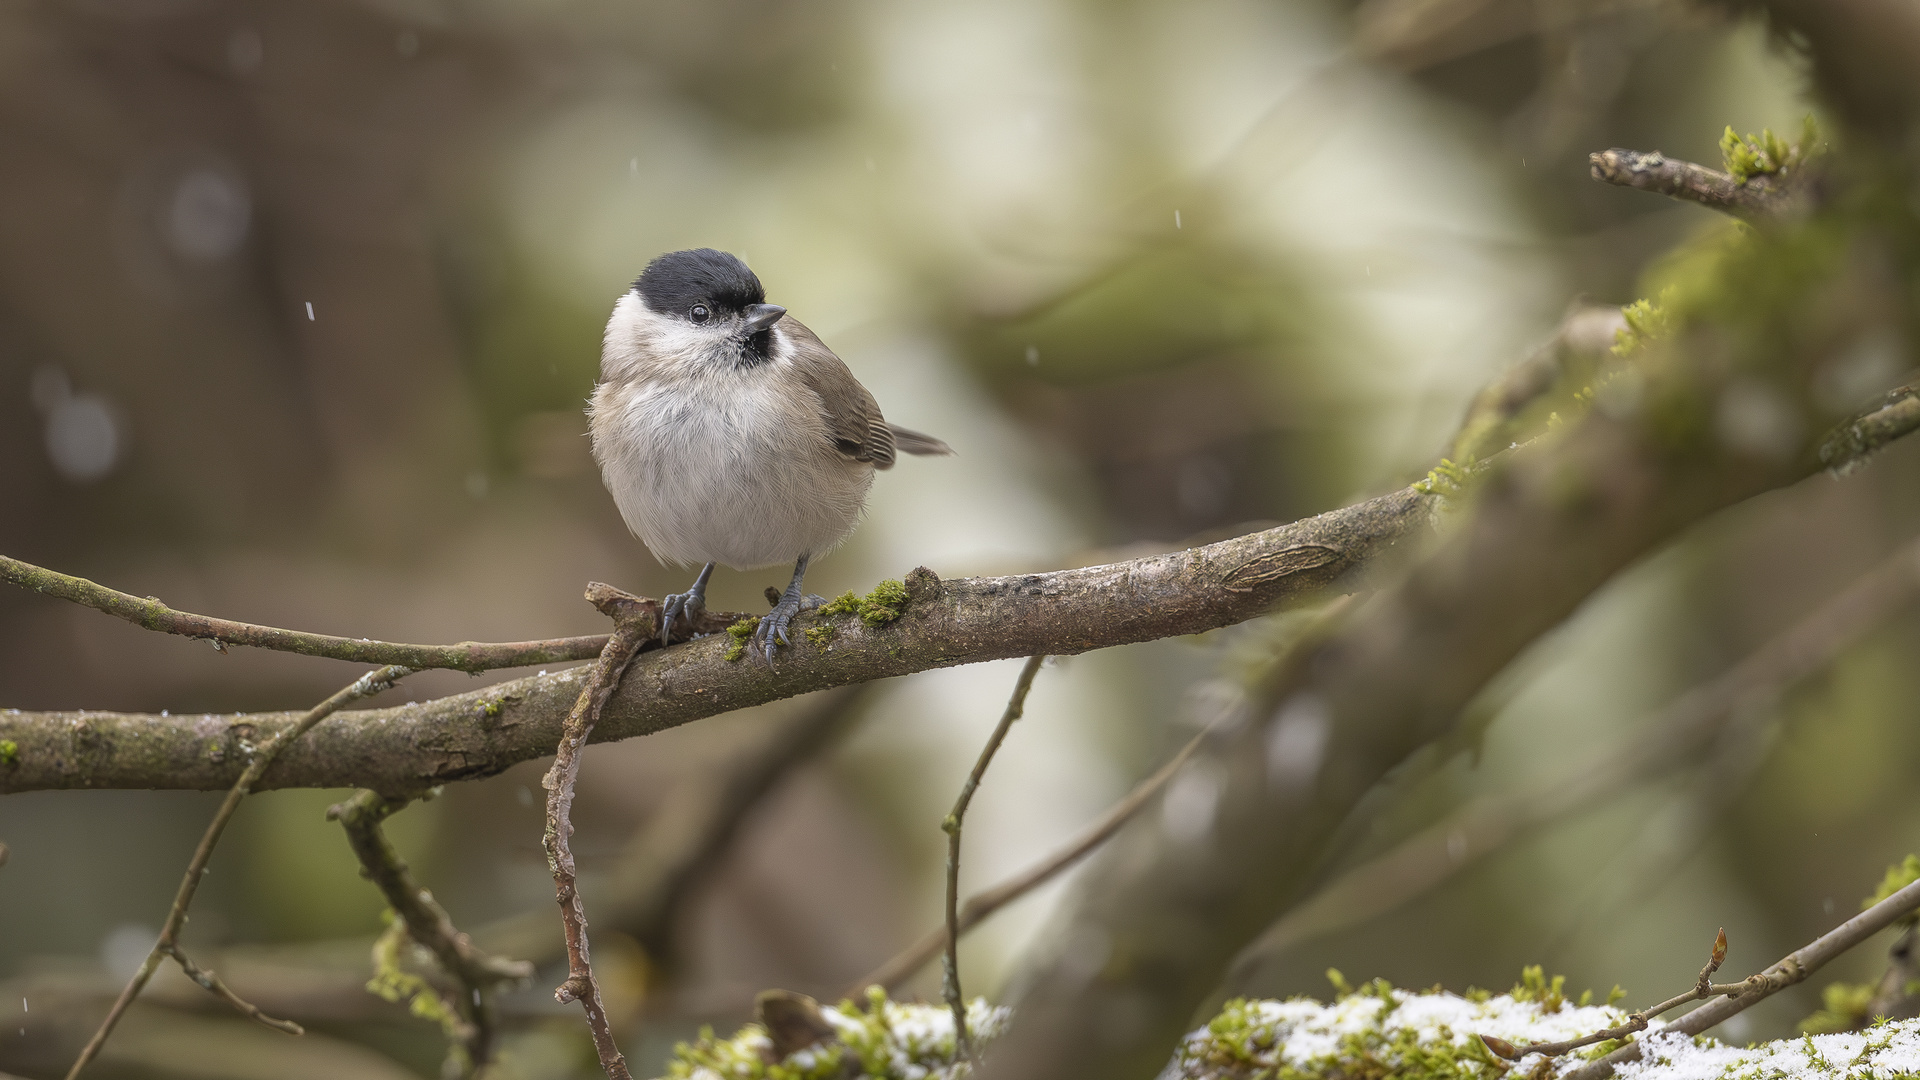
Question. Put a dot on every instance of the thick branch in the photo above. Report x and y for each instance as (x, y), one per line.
(402, 750)
(1759, 197)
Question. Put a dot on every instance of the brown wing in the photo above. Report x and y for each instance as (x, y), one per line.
(853, 417)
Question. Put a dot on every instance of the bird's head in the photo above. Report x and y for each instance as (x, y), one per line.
(699, 307)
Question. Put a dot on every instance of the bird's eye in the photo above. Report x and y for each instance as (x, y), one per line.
(699, 313)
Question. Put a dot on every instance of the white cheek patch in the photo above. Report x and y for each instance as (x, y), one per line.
(672, 342)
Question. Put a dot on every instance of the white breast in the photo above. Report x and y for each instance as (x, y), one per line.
(727, 466)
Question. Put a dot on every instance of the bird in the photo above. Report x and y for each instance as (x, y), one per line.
(728, 433)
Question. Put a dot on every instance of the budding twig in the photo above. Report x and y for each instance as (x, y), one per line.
(1637, 1021)
(1731, 998)
(950, 984)
(1758, 197)
(372, 682)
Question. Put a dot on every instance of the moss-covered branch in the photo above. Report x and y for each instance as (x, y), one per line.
(404, 749)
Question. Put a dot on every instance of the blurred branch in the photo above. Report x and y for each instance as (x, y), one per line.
(983, 904)
(1894, 997)
(428, 924)
(1793, 968)
(262, 758)
(955, 821)
(1662, 744)
(1545, 529)
(634, 621)
(409, 748)
(1755, 198)
(1487, 427)
(472, 656)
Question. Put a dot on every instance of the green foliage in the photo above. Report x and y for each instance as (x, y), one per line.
(1447, 479)
(1767, 154)
(1341, 987)
(741, 632)
(1244, 1041)
(9, 752)
(886, 1040)
(1843, 1007)
(820, 635)
(391, 982)
(878, 608)
(1534, 986)
(1898, 876)
(1647, 321)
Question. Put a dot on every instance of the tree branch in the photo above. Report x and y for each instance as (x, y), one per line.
(472, 656)
(635, 621)
(427, 923)
(984, 903)
(1795, 967)
(403, 750)
(260, 759)
(1545, 530)
(1665, 741)
(1758, 198)
(955, 821)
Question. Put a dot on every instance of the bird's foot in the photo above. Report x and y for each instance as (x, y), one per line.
(772, 631)
(689, 605)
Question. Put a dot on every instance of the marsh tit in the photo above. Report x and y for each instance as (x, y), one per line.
(728, 433)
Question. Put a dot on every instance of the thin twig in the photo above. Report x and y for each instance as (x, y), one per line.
(635, 621)
(372, 682)
(663, 861)
(983, 904)
(211, 983)
(950, 984)
(472, 656)
(1757, 198)
(428, 924)
(1793, 968)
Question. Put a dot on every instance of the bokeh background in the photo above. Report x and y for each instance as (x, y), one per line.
(300, 303)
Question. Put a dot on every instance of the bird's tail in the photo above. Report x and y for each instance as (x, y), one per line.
(915, 443)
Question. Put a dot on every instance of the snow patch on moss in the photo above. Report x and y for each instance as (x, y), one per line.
(1886, 1050)
(889, 1040)
(1380, 1031)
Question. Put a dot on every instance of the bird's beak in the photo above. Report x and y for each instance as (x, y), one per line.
(761, 316)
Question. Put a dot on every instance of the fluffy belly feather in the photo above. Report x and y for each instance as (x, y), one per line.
(743, 475)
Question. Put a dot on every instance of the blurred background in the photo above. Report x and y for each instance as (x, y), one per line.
(300, 304)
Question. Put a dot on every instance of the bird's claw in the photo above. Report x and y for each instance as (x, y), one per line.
(688, 605)
(772, 631)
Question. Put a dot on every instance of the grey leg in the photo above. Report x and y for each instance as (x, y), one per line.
(689, 605)
(772, 631)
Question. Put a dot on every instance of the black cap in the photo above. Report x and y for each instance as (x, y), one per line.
(674, 282)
